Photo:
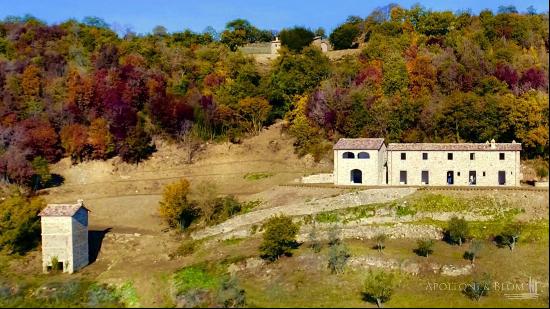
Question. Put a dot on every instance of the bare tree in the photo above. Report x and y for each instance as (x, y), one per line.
(186, 138)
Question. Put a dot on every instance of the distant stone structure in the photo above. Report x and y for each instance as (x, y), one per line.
(65, 236)
(262, 48)
(275, 45)
(367, 161)
(323, 44)
(272, 48)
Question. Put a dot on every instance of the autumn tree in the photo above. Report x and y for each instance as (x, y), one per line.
(175, 208)
(254, 112)
(19, 223)
(137, 146)
(74, 139)
(100, 139)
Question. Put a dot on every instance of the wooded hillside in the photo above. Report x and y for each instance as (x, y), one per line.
(77, 89)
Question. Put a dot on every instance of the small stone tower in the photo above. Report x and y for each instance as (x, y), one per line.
(275, 46)
(65, 236)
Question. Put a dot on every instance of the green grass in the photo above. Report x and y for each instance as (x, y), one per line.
(57, 291)
(327, 217)
(402, 211)
(248, 206)
(430, 202)
(345, 215)
(128, 295)
(232, 241)
(257, 175)
(308, 283)
(194, 277)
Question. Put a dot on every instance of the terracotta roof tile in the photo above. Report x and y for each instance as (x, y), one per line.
(358, 143)
(61, 210)
(454, 147)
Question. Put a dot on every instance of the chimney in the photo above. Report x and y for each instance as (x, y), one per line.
(493, 144)
(80, 202)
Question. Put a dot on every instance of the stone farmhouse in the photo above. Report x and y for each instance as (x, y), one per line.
(64, 236)
(368, 162)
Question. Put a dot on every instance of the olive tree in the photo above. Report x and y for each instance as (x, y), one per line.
(457, 230)
(379, 286)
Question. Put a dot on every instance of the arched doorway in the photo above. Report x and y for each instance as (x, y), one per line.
(356, 176)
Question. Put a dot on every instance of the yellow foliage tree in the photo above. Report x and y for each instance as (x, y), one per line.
(175, 208)
(254, 112)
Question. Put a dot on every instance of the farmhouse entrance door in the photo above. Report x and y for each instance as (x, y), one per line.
(356, 176)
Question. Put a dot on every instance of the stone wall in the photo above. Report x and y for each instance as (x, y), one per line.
(80, 239)
(57, 241)
(486, 164)
(318, 178)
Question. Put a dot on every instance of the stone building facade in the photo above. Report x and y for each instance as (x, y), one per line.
(323, 44)
(426, 164)
(359, 161)
(65, 236)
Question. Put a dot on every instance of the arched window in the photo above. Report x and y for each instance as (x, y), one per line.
(348, 155)
(363, 155)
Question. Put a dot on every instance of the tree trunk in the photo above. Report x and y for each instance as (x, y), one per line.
(460, 241)
(379, 303)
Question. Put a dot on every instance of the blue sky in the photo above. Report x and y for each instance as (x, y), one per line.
(143, 15)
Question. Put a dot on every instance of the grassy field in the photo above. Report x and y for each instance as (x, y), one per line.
(153, 270)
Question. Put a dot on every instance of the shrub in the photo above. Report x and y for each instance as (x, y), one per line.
(478, 288)
(378, 287)
(205, 198)
(100, 294)
(334, 235)
(187, 247)
(509, 235)
(425, 247)
(55, 264)
(175, 208)
(19, 223)
(279, 237)
(338, 256)
(314, 242)
(542, 171)
(380, 240)
(473, 252)
(230, 294)
(457, 231)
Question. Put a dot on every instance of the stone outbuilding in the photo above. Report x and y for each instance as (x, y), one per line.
(65, 236)
(323, 44)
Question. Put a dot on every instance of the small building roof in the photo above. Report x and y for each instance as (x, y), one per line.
(454, 147)
(359, 144)
(62, 210)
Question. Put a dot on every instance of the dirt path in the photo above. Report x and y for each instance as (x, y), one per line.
(352, 199)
